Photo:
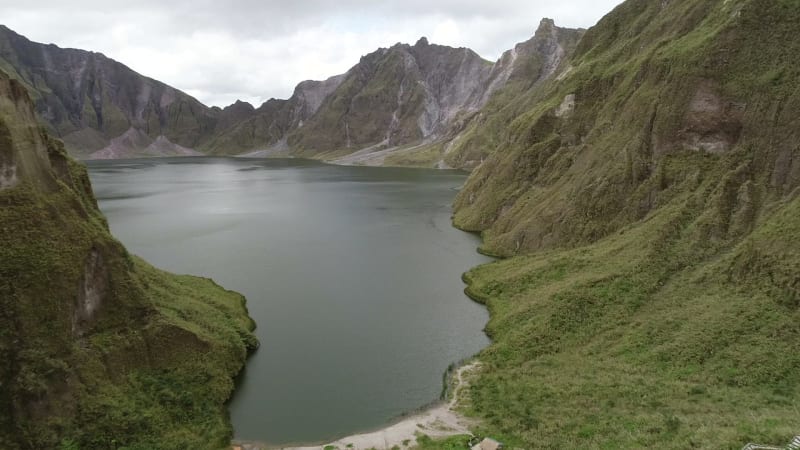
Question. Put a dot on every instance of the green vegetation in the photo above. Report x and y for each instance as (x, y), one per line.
(640, 341)
(425, 442)
(426, 156)
(652, 296)
(101, 350)
(256, 133)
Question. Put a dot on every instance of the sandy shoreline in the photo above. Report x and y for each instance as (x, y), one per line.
(437, 421)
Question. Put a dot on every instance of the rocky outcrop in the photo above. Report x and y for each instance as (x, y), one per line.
(711, 124)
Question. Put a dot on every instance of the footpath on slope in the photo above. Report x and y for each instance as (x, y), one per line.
(439, 421)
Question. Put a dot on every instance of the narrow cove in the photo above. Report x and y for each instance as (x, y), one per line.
(352, 274)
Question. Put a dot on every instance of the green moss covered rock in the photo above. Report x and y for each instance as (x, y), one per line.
(100, 349)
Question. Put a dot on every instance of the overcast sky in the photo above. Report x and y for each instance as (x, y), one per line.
(220, 51)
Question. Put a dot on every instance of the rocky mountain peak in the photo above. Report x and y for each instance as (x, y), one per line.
(546, 24)
(240, 104)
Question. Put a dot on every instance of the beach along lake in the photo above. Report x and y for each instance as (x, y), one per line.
(353, 275)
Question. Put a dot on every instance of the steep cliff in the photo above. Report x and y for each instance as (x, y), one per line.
(90, 101)
(403, 105)
(395, 96)
(99, 349)
(647, 197)
(519, 72)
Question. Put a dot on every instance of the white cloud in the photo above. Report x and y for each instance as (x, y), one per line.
(447, 32)
(254, 50)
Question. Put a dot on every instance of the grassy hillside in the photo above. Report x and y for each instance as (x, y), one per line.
(648, 203)
(100, 349)
(640, 341)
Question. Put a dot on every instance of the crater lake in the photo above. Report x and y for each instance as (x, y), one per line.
(353, 275)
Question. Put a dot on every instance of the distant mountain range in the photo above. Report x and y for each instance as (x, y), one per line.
(396, 106)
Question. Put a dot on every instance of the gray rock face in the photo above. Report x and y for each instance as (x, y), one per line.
(536, 59)
(8, 174)
(396, 96)
(87, 99)
(454, 81)
(309, 95)
(566, 107)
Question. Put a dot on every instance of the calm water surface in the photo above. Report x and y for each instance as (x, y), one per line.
(352, 274)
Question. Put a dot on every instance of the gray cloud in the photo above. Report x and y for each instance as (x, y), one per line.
(253, 50)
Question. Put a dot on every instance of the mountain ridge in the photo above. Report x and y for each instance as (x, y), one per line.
(103, 109)
(87, 99)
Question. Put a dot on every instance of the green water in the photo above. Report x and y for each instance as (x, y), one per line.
(352, 274)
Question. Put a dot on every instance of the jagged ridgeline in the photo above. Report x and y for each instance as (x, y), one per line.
(99, 349)
(403, 105)
(653, 185)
